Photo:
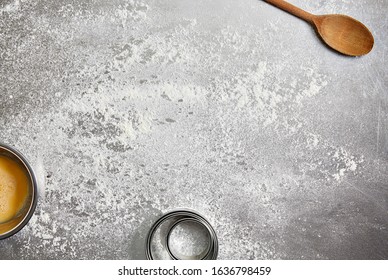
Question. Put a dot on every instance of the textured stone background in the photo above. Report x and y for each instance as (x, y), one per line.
(128, 109)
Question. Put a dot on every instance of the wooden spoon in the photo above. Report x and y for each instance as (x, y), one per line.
(342, 33)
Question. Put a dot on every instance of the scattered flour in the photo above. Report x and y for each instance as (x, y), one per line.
(344, 163)
(11, 8)
(143, 114)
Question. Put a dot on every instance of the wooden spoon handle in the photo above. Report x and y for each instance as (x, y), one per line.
(285, 6)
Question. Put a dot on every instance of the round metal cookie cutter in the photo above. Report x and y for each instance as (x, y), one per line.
(178, 217)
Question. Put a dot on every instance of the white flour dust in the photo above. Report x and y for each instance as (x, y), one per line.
(138, 109)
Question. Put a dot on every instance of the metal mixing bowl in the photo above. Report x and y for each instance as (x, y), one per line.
(12, 226)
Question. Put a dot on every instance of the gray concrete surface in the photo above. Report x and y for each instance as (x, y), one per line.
(131, 108)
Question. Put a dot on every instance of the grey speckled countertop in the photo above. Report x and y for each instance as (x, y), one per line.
(131, 108)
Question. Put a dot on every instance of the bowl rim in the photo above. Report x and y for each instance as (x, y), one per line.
(32, 207)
